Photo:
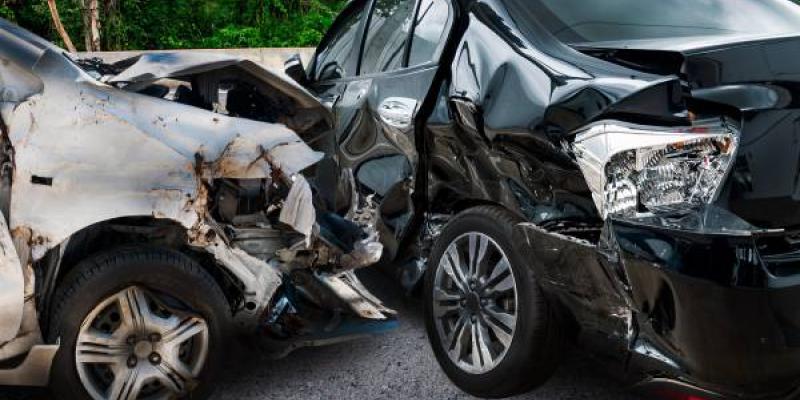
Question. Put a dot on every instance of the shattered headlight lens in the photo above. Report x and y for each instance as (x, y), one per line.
(637, 170)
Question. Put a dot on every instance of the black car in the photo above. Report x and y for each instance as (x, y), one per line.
(618, 174)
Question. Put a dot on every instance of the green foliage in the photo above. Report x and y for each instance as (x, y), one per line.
(174, 24)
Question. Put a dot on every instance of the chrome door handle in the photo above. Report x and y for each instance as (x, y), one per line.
(398, 112)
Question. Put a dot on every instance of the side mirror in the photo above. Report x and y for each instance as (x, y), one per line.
(295, 69)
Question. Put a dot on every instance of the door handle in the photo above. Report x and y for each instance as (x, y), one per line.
(398, 112)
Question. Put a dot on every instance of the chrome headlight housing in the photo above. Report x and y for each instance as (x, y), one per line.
(636, 170)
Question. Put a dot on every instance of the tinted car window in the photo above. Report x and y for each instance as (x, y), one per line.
(332, 58)
(388, 32)
(431, 26)
(580, 21)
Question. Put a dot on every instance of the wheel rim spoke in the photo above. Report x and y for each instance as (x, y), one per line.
(455, 338)
(483, 343)
(474, 302)
(126, 385)
(475, 354)
(477, 250)
(501, 280)
(504, 319)
(454, 271)
(480, 265)
(98, 348)
(175, 375)
(134, 309)
(185, 330)
(445, 303)
(502, 335)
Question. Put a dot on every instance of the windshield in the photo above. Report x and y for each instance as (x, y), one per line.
(580, 21)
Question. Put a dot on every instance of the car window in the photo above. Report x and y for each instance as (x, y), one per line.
(387, 34)
(432, 25)
(332, 58)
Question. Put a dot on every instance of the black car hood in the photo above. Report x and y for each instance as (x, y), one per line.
(707, 61)
(685, 44)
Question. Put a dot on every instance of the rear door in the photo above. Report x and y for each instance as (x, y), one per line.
(377, 112)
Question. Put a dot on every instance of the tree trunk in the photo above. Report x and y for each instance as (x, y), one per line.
(94, 24)
(60, 27)
(91, 25)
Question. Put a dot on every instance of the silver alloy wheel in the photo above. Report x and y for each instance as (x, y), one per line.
(475, 302)
(133, 345)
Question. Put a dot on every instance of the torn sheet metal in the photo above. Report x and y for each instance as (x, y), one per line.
(262, 278)
(150, 67)
(349, 288)
(298, 208)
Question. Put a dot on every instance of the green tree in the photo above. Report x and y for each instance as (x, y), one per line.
(169, 24)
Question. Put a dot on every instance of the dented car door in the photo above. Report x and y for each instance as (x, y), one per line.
(377, 142)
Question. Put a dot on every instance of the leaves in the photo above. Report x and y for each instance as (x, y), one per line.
(174, 24)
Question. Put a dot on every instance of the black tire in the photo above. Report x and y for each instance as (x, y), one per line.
(534, 352)
(157, 270)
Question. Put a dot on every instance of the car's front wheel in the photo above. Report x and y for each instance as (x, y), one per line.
(137, 323)
(487, 320)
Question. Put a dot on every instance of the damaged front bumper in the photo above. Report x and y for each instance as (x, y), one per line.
(702, 305)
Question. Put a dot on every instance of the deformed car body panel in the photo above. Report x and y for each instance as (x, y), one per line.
(150, 67)
(90, 181)
(83, 156)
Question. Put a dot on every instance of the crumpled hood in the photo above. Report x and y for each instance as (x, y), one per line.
(149, 67)
(240, 148)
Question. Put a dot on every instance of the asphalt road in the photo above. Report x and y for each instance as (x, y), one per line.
(397, 365)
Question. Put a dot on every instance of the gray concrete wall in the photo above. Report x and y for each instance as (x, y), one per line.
(271, 58)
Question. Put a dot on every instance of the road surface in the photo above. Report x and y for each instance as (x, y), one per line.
(397, 365)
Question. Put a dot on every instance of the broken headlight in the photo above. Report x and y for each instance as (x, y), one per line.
(637, 170)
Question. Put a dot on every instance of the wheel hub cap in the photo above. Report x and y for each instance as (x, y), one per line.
(475, 302)
(132, 345)
(143, 349)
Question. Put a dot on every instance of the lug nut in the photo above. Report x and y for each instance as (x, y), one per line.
(132, 362)
(154, 337)
(131, 340)
(154, 358)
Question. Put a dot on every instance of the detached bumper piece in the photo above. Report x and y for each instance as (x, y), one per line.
(691, 311)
